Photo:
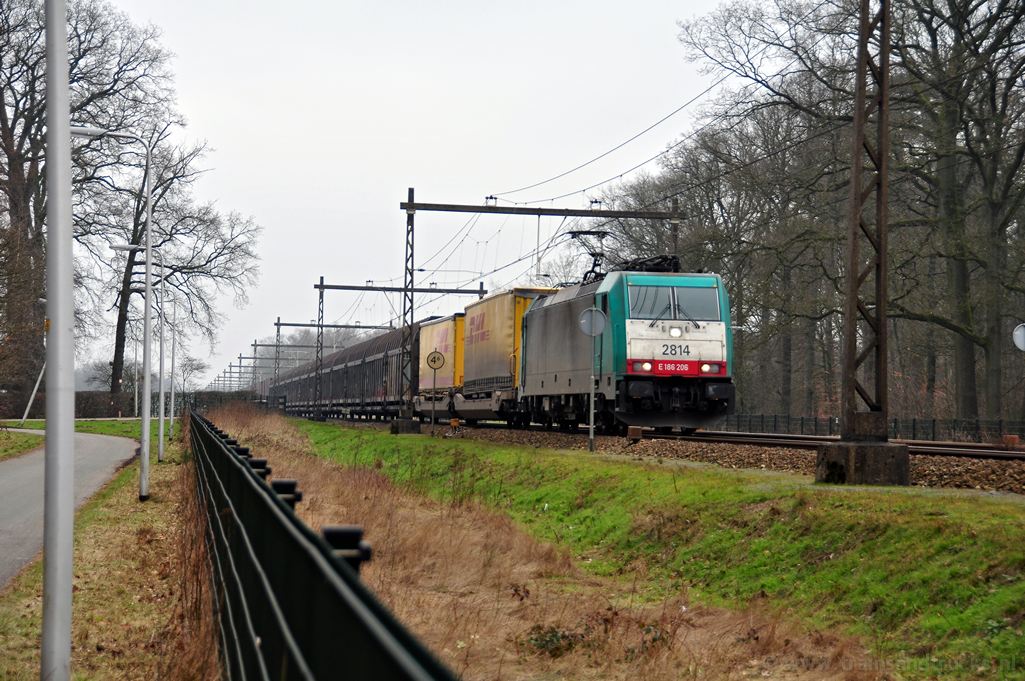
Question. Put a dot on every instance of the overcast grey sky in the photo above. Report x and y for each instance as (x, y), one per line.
(321, 114)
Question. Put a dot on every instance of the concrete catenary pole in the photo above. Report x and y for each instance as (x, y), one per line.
(59, 480)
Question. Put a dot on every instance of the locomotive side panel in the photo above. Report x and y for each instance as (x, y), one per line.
(558, 356)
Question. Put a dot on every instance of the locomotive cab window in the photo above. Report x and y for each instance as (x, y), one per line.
(674, 302)
(651, 302)
(701, 304)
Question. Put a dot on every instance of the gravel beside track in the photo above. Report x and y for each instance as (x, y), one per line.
(926, 471)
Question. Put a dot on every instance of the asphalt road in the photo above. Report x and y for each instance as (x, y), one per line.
(97, 457)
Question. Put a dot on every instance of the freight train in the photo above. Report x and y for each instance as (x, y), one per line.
(664, 360)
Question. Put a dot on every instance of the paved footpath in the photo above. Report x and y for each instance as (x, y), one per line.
(97, 457)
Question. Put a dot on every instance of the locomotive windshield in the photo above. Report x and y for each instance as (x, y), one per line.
(701, 304)
(674, 302)
(651, 302)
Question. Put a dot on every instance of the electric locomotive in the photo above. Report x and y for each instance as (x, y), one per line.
(664, 359)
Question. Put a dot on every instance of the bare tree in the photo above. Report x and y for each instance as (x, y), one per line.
(202, 250)
(118, 76)
(188, 368)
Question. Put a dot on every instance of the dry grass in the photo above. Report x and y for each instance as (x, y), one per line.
(190, 636)
(495, 603)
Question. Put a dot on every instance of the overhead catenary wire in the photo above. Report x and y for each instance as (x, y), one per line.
(618, 146)
(719, 117)
(549, 243)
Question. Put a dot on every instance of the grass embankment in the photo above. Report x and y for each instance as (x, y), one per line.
(13, 443)
(498, 604)
(125, 579)
(931, 581)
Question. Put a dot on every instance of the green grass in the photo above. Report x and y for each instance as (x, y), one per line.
(932, 581)
(120, 428)
(13, 443)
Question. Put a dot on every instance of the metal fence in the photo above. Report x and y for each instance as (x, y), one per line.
(289, 604)
(947, 430)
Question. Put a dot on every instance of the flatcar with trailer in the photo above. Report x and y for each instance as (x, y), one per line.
(360, 381)
(491, 356)
(665, 359)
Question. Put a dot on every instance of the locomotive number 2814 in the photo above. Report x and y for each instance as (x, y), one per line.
(675, 350)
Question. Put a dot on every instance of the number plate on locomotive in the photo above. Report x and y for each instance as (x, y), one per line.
(672, 367)
(675, 350)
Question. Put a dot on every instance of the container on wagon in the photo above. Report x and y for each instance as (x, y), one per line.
(491, 353)
(444, 335)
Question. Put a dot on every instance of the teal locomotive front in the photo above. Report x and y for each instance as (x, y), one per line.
(665, 359)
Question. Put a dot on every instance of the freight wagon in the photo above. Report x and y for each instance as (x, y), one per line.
(491, 355)
(361, 380)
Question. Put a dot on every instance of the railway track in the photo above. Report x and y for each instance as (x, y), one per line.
(971, 450)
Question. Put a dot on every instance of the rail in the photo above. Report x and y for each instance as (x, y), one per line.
(968, 450)
(289, 602)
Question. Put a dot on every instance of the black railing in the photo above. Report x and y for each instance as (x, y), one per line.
(290, 604)
(956, 430)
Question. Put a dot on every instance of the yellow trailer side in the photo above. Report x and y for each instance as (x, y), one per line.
(457, 351)
(492, 340)
(445, 336)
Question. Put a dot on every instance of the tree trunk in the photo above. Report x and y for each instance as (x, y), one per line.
(958, 283)
(23, 314)
(786, 362)
(994, 274)
(763, 375)
(809, 368)
(829, 364)
(123, 304)
(739, 345)
(930, 351)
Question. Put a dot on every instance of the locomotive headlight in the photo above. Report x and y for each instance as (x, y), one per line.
(642, 366)
(646, 366)
(675, 332)
(706, 368)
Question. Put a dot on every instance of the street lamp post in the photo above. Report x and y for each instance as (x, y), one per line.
(83, 131)
(160, 312)
(160, 381)
(59, 470)
(174, 338)
(135, 366)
